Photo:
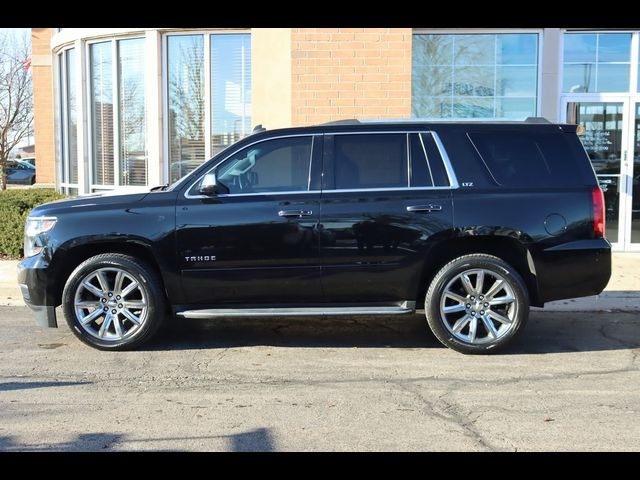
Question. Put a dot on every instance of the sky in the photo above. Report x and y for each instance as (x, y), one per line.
(15, 32)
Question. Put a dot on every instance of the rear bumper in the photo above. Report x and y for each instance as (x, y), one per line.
(575, 269)
(34, 282)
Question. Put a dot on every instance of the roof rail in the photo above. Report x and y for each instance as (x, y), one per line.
(536, 120)
(351, 121)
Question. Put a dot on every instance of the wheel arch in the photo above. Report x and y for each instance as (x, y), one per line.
(508, 249)
(72, 257)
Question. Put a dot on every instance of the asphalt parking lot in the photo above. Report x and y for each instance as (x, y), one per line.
(572, 382)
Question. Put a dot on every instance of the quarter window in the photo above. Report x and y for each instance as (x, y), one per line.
(279, 165)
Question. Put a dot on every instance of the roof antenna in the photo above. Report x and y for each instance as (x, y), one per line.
(259, 128)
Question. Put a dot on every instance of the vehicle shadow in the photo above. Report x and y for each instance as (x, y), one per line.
(546, 332)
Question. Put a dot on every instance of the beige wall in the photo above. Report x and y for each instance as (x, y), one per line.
(341, 73)
(271, 74)
(43, 109)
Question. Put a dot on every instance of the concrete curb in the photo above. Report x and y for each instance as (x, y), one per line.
(621, 295)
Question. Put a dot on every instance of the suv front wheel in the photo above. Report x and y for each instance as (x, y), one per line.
(477, 303)
(113, 302)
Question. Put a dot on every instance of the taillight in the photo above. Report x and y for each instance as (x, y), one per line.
(598, 212)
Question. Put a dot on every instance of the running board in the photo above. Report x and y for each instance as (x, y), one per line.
(403, 308)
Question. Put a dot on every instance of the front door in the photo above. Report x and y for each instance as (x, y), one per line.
(257, 244)
(383, 206)
(611, 141)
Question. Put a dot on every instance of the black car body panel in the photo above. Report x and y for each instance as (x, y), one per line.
(348, 246)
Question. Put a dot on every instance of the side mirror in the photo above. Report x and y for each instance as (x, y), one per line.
(210, 185)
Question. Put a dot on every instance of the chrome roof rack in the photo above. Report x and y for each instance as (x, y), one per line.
(350, 121)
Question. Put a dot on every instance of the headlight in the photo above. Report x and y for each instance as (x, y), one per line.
(34, 227)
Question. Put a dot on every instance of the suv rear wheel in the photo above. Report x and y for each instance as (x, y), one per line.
(113, 302)
(477, 303)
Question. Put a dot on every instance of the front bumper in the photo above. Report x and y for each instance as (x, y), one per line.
(37, 290)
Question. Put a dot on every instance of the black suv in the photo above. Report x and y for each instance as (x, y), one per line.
(474, 222)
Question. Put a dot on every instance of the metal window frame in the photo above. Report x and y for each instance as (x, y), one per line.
(453, 181)
(164, 42)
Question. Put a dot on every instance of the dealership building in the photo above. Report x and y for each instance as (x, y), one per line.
(125, 108)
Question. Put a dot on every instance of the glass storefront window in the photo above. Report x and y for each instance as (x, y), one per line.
(68, 120)
(101, 73)
(133, 153)
(475, 75)
(596, 62)
(230, 89)
(229, 98)
(118, 115)
(185, 65)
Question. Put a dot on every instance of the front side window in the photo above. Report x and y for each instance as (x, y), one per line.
(474, 75)
(279, 165)
(370, 161)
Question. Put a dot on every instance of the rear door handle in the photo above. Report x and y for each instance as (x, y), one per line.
(295, 213)
(424, 208)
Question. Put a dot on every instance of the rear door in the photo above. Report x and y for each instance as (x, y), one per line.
(383, 206)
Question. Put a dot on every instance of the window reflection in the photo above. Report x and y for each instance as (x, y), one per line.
(596, 62)
(230, 97)
(133, 154)
(230, 89)
(185, 60)
(102, 112)
(473, 75)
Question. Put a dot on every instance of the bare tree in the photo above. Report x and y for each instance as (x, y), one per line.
(16, 115)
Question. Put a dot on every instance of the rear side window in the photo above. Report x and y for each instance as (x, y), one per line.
(527, 159)
(370, 161)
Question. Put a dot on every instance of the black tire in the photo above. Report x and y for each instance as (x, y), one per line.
(151, 291)
(448, 273)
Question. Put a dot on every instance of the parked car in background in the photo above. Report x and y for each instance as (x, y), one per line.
(20, 172)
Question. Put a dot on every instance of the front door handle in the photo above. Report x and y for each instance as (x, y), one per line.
(424, 208)
(295, 213)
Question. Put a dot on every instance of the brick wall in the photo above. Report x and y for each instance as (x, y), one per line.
(340, 73)
(42, 75)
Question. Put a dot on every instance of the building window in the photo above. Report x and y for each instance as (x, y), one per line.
(117, 98)
(596, 62)
(68, 121)
(230, 89)
(185, 60)
(225, 105)
(475, 75)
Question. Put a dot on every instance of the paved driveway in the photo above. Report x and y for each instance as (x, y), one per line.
(571, 383)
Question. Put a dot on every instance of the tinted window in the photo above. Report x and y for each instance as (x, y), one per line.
(522, 159)
(370, 161)
(440, 178)
(271, 166)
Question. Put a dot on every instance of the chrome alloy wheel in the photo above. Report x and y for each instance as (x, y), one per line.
(110, 304)
(478, 306)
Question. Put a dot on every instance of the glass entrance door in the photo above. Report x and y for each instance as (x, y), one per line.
(635, 182)
(605, 140)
